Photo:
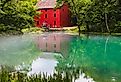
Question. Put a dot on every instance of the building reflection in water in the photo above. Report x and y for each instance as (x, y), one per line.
(50, 44)
(54, 42)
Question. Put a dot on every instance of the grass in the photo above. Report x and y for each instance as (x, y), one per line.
(33, 30)
(73, 29)
(10, 76)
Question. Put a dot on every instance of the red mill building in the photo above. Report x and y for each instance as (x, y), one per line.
(54, 18)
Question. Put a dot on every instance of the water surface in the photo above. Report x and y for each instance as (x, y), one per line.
(98, 56)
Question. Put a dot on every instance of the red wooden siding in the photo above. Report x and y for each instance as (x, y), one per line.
(65, 15)
(54, 18)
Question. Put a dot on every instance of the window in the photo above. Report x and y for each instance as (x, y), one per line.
(54, 22)
(54, 45)
(37, 22)
(46, 45)
(45, 15)
(46, 10)
(54, 14)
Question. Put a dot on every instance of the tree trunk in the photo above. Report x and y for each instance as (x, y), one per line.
(87, 26)
(106, 42)
(79, 29)
(106, 22)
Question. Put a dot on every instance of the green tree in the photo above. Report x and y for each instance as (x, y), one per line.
(96, 15)
(103, 15)
(17, 14)
(78, 8)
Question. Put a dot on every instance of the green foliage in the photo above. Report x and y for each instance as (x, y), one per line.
(103, 14)
(33, 30)
(96, 15)
(16, 14)
(96, 56)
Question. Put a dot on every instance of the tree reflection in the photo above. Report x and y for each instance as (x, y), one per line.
(87, 55)
(74, 62)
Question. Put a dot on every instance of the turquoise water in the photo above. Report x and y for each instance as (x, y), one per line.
(97, 56)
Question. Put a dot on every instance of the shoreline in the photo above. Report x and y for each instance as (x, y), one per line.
(66, 30)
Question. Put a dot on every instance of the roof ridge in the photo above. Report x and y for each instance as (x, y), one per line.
(46, 4)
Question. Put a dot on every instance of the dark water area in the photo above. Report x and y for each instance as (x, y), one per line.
(85, 56)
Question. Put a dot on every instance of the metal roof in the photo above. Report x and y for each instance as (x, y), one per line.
(46, 4)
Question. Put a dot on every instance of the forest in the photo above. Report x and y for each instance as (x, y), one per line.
(93, 15)
(17, 14)
(96, 15)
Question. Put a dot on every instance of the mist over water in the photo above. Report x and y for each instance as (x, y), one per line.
(15, 50)
(96, 56)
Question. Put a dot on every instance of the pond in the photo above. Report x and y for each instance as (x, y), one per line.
(85, 56)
